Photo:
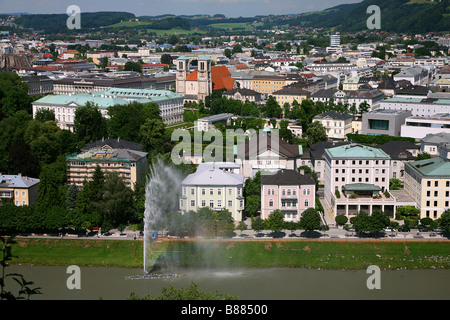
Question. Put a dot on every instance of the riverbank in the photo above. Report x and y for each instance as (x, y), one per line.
(330, 255)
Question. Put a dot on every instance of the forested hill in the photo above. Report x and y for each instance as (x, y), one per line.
(54, 23)
(403, 16)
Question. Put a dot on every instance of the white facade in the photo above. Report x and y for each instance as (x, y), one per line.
(419, 127)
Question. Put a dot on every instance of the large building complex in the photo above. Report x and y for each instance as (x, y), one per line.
(123, 157)
(357, 178)
(65, 105)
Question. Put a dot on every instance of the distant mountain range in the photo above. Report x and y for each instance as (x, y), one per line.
(402, 16)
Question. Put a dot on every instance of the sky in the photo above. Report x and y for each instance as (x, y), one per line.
(230, 8)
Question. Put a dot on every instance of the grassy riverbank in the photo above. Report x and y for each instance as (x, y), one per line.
(299, 254)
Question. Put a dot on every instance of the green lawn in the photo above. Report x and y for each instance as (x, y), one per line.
(264, 254)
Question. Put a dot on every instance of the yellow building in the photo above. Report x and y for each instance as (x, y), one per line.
(290, 93)
(268, 84)
(111, 156)
(22, 191)
(428, 183)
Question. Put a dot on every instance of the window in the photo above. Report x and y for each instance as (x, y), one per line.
(211, 203)
(211, 192)
(219, 203)
(219, 192)
(192, 203)
(306, 203)
(230, 203)
(203, 191)
(192, 191)
(270, 203)
(203, 203)
(376, 124)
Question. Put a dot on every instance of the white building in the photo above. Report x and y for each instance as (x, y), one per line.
(65, 105)
(419, 127)
(214, 187)
(420, 107)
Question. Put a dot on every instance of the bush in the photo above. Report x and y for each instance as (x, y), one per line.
(341, 219)
(338, 194)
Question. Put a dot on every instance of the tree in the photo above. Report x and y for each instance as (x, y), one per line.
(44, 115)
(258, 224)
(152, 135)
(241, 226)
(341, 220)
(361, 222)
(395, 184)
(12, 130)
(444, 221)
(310, 220)
(379, 221)
(275, 221)
(224, 223)
(115, 203)
(133, 66)
(13, 94)
(25, 289)
(316, 133)
(363, 108)
(422, 156)
(272, 109)
(227, 53)
(89, 124)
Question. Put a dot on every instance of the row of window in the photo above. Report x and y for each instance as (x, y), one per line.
(361, 171)
(435, 204)
(336, 179)
(211, 191)
(306, 192)
(361, 162)
(289, 203)
(211, 203)
(436, 183)
(436, 193)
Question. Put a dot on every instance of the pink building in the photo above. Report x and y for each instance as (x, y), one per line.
(289, 191)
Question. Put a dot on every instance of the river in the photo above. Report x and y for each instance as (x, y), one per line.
(247, 284)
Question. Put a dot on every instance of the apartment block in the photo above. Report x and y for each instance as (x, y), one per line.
(110, 157)
(428, 183)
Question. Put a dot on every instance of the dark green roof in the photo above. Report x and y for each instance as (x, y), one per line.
(361, 187)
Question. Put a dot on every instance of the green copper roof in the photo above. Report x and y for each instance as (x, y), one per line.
(356, 151)
(431, 167)
(109, 97)
(361, 187)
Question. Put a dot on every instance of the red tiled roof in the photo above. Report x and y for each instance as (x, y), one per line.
(220, 76)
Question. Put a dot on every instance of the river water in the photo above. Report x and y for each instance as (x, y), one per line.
(247, 284)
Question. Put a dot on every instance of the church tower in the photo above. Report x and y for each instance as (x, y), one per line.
(182, 71)
(204, 77)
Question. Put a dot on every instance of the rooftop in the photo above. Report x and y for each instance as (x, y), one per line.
(17, 181)
(287, 177)
(431, 167)
(356, 151)
(212, 175)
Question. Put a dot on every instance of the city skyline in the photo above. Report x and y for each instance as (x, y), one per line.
(229, 8)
